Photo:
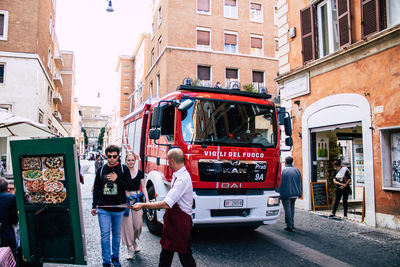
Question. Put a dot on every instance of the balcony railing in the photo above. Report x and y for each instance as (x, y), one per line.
(59, 61)
(258, 86)
(232, 83)
(57, 79)
(57, 99)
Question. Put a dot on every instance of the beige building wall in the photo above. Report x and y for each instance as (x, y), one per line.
(176, 54)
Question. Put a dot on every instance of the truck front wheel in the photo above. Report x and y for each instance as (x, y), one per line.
(151, 215)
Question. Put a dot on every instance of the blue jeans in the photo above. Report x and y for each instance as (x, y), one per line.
(288, 205)
(110, 220)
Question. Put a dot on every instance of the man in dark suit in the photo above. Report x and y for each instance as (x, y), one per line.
(8, 217)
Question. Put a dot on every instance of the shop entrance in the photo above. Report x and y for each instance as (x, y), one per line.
(339, 142)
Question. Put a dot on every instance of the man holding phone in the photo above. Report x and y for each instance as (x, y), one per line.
(108, 203)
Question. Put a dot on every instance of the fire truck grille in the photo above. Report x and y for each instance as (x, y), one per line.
(232, 171)
(230, 212)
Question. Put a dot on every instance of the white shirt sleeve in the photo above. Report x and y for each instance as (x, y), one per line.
(176, 192)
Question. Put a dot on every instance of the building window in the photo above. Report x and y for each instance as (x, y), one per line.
(2, 71)
(327, 27)
(232, 78)
(256, 43)
(390, 149)
(152, 56)
(230, 9)
(126, 94)
(258, 80)
(203, 38)
(51, 23)
(152, 30)
(3, 25)
(126, 87)
(49, 95)
(6, 107)
(151, 90)
(204, 75)
(159, 17)
(333, 28)
(204, 7)
(126, 73)
(230, 40)
(276, 44)
(126, 66)
(256, 13)
(159, 46)
(49, 59)
(393, 12)
(158, 86)
(41, 116)
(126, 81)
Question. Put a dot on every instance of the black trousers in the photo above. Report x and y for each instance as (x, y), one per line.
(339, 193)
(166, 257)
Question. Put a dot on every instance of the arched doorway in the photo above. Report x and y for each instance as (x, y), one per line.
(334, 110)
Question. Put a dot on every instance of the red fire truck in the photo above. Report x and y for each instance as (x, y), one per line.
(230, 139)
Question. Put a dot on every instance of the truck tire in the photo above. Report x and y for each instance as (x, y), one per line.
(151, 216)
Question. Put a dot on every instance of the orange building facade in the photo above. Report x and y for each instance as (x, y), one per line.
(339, 78)
(229, 43)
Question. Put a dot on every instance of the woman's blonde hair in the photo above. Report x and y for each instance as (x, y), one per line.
(130, 154)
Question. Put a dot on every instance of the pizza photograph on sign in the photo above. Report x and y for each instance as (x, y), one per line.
(43, 179)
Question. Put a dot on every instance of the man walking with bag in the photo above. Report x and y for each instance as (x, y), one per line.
(290, 190)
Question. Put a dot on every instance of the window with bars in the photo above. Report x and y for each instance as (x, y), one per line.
(230, 42)
(203, 38)
(256, 13)
(204, 7)
(230, 9)
(256, 45)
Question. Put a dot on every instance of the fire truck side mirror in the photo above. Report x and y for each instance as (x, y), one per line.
(154, 134)
(156, 117)
(289, 141)
(288, 126)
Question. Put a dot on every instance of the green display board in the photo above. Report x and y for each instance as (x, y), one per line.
(46, 176)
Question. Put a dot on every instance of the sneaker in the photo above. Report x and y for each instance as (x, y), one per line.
(332, 215)
(288, 229)
(115, 262)
(130, 255)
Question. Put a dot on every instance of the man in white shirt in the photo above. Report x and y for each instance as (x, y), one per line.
(178, 203)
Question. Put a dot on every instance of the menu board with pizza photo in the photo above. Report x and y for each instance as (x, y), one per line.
(43, 179)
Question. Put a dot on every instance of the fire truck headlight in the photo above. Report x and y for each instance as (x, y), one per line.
(273, 201)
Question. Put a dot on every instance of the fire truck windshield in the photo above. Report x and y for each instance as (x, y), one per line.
(228, 123)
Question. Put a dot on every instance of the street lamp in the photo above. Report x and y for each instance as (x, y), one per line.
(110, 7)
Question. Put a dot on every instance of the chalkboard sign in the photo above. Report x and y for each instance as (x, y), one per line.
(319, 195)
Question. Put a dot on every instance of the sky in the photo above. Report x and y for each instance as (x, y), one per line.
(97, 38)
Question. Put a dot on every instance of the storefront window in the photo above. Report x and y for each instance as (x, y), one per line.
(390, 149)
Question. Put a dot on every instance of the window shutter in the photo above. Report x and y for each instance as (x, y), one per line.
(255, 6)
(203, 37)
(203, 73)
(344, 22)
(256, 42)
(258, 77)
(307, 33)
(203, 5)
(230, 39)
(230, 2)
(370, 17)
(231, 73)
(1, 24)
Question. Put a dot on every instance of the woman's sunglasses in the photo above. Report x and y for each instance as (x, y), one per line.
(112, 156)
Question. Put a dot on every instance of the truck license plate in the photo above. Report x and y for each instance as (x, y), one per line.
(233, 203)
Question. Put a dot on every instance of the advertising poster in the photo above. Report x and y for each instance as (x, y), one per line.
(359, 175)
(395, 155)
(322, 148)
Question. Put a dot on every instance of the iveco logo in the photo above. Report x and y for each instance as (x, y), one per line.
(235, 162)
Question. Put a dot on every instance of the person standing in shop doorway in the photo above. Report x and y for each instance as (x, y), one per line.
(290, 189)
(342, 181)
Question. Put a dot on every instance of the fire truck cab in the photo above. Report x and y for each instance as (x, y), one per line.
(230, 139)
